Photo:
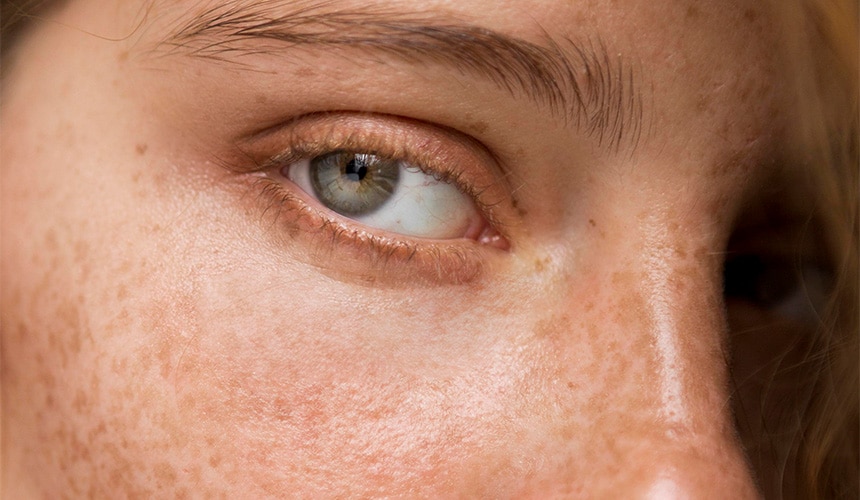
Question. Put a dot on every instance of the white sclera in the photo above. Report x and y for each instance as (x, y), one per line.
(420, 206)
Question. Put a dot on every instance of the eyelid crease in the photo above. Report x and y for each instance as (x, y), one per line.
(578, 81)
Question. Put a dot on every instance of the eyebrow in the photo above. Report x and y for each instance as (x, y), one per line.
(580, 82)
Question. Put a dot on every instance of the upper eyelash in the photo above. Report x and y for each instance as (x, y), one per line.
(304, 146)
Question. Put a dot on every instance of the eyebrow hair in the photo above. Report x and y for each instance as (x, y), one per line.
(580, 82)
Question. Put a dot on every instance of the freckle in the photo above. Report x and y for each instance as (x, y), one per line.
(692, 11)
(305, 72)
(702, 104)
(480, 127)
(121, 292)
(51, 240)
(165, 473)
(123, 56)
(750, 15)
(592, 223)
(124, 267)
(141, 149)
(214, 460)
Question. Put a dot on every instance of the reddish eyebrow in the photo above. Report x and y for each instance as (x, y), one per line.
(580, 82)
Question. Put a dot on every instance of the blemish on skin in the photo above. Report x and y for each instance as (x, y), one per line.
(480, 127)
(51, 240)
(140, 149)
(541, 264)
(515, 204)
(592, 223)
(692, 12)
(702, 103)
(305, 72)
(123, 56)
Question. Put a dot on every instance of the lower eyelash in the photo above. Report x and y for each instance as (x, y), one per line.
(347, 251)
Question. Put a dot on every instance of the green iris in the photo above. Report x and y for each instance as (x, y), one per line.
(353, 183)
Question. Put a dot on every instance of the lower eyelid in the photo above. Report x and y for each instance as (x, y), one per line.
(345, 252)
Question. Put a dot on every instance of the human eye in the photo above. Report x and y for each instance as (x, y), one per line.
(386, 190)
(388, 194)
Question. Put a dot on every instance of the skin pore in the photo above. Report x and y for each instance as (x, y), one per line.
(180, 319)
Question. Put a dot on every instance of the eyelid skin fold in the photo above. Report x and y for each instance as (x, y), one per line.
(342, 247)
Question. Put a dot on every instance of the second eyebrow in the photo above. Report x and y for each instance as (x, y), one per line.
(579, 82)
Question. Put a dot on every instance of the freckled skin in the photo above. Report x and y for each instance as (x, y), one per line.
(156, 344)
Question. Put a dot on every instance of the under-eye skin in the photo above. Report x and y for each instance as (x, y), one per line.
(387, 194)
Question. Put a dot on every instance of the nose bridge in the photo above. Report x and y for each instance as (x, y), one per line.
(680, 441)
(694, 448)
(683, 314)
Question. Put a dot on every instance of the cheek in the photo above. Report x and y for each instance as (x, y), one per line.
(358, 397)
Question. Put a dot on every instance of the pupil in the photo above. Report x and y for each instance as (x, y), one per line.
(356, 169)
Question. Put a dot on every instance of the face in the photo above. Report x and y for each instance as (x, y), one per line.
(378, 249)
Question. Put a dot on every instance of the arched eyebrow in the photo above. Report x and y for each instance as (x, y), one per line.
(580, 82)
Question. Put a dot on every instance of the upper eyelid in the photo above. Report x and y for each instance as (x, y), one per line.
(446, 153)
(316, 133)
